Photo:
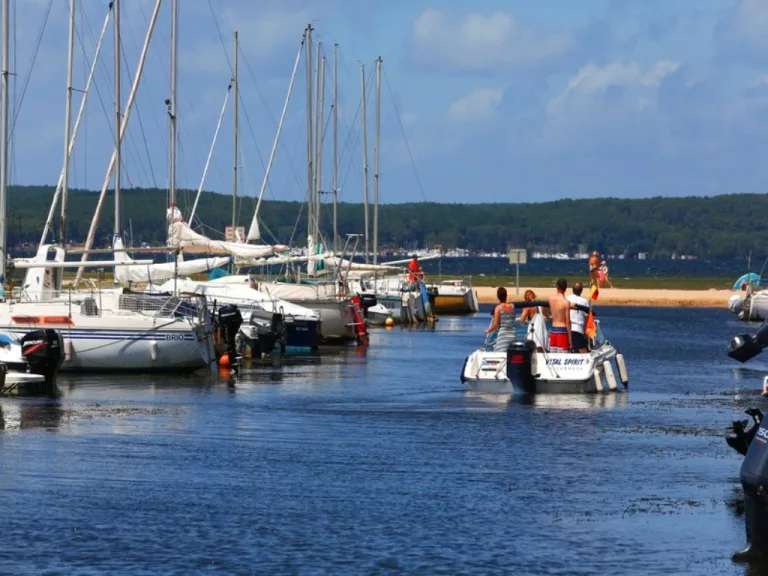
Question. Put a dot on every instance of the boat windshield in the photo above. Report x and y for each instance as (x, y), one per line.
(600, 338)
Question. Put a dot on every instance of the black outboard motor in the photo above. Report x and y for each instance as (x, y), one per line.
(754, 480)
(44, 351)
(738, 437)
(367, 301)
(520, 365)
(746, 346)
(230, 321)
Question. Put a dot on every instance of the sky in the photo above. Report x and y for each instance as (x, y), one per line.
(483, 101)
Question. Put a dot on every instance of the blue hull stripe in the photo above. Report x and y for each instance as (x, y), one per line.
(127, 335)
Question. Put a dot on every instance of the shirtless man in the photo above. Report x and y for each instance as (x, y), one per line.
(560, 308)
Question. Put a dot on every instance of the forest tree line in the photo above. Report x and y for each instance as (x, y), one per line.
(709, 227)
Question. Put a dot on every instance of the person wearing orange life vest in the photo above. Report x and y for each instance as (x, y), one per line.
(414, 270)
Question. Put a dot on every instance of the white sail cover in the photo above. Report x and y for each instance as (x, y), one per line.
(182, 236)
(161, 271)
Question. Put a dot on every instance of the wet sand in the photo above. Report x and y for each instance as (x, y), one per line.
(711, 298)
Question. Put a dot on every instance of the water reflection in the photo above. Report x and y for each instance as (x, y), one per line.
(16, 414)
(606, 400)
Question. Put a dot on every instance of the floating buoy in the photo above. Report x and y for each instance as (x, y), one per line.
(598, 380)
(622, 366)
(610, 377)
(389, 322)
(224, 360)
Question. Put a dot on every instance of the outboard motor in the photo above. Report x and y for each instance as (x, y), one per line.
(230, 321)
(44, 351)
(754, 480)
(367, 301)
(746, 346)
(738, 437)
(521, 365)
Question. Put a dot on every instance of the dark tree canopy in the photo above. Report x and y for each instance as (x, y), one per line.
(714, 227)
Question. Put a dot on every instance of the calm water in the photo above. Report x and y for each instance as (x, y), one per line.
(381, 462)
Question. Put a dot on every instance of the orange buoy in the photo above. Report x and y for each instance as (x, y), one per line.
(224, 360)
(389, 322)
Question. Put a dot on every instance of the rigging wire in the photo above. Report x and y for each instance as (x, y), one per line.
(405, 138)
(28, 74)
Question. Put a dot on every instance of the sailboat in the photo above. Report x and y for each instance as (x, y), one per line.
(342, 320)
(104, 330)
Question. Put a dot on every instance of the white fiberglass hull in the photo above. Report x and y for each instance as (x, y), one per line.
(552, 373)
(114, 342)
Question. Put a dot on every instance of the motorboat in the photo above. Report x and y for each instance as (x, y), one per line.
(34, 360)
(455, 297)
(528, 367)
(752, 443)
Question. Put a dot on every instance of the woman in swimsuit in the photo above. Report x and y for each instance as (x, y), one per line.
(503, 321)
(530, 311)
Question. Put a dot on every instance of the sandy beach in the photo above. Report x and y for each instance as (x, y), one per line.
(626, 296)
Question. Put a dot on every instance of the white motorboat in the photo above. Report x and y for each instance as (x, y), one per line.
(33, 360)
(378, 314)
(525, 368)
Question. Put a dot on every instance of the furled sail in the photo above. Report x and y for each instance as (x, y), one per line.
(181, 236)
(158, 272)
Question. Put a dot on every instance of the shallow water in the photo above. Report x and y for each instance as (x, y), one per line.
(380, 461)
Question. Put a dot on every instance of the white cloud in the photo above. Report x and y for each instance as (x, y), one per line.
(478, 105)
(483, 42)
(593, 81)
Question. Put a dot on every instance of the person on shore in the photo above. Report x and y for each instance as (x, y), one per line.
(503, 322)
(414, 270)
(602, 275)
(559, 307)
(578, 318)
(593, 268)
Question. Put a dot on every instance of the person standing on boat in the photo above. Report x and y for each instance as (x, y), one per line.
(578, 318)
(559, 307)
(414, 270)
(503, 322)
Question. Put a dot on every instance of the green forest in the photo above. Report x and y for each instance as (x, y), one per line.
(708, 227)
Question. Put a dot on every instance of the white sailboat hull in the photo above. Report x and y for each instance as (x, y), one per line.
(114, 342)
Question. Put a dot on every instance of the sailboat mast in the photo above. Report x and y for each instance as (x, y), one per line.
(67, 124)
(317, 145)
(365, 163)
(310, 167)
(335, 147)
(118, 114)
(236, 84)
(4, 144)
(376, 150)
(172, 107)
(320, 139)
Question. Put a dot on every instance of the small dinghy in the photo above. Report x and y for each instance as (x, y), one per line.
(527, 367)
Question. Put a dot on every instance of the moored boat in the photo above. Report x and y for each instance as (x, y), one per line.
(455, 297)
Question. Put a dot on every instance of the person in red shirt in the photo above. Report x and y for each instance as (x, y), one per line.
(414, 270)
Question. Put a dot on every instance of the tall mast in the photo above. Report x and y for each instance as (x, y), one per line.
(365, 163)
(118, 115)
(234, 145)
(67, 123)
(335, 146)
(4, 144)
(172, 107)
(310, 168)
(376, 149)
(318, 145)
(319, 152)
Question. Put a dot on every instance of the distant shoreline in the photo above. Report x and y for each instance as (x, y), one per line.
(711, 298)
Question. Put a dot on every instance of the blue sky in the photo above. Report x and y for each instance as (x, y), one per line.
(488, 101)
